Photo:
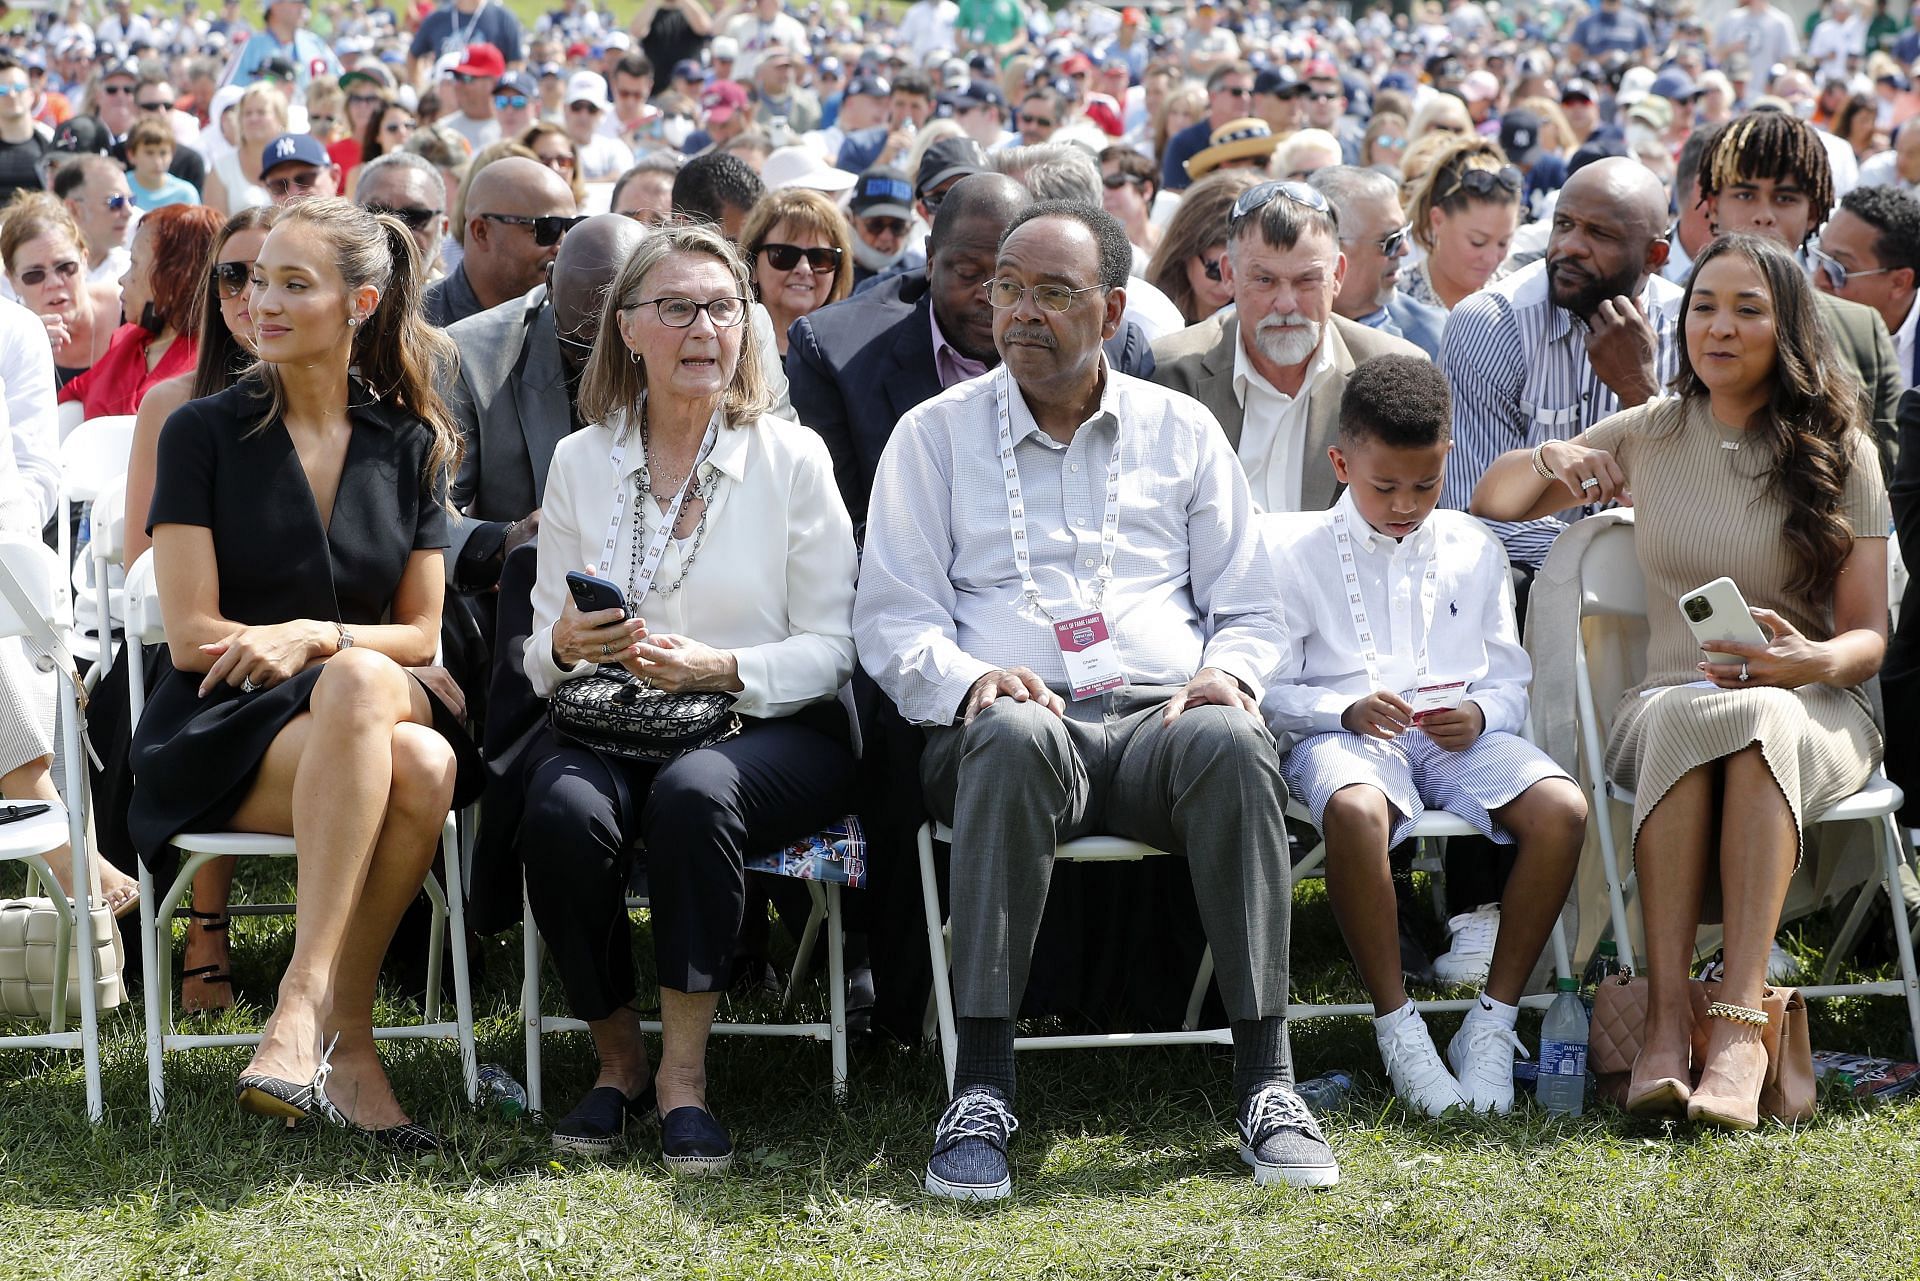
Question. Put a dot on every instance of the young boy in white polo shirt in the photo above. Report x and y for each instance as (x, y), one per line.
(1407, 689)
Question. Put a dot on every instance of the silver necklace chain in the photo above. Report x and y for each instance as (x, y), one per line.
(643, 493)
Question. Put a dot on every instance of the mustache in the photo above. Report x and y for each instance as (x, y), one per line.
(1035, 334)
(1295, 321)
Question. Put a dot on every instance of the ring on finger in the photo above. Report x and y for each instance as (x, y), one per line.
(606, 650)
(1591, 482)
(247, 686)
(1744, 673)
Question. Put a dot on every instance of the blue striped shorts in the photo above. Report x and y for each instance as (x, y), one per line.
(1414, 775)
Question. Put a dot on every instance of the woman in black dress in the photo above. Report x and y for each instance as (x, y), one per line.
(297, 523)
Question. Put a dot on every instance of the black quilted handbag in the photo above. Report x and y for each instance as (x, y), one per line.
(612, 712)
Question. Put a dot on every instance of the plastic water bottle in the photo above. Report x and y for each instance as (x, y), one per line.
(1325, 1093)
(1562, 1083)
(500, 1091)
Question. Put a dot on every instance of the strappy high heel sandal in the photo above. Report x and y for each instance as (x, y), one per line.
(209, 975)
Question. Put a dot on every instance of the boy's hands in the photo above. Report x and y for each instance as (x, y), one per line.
(1378, 715)
(1455, 728)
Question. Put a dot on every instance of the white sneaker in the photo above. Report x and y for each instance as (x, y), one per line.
(1471, 953)
(1781, 966)
(1481, 1053)
(1413, 1065)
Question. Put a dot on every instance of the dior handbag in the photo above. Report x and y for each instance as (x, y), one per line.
(28, 930)
(1619, 1028)
(612, 712)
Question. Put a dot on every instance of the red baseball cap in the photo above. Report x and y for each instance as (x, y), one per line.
(721, 99)
(1075, 64)
(1320, 69)
(482, 60)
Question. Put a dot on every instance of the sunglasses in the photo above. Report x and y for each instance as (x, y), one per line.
(114, 91)
(320, 122)
(278, 187)
(34, 276)
(1320, 95)
(560, 160)
(398, 126)
(1038, 122)
(1254, 199)
(416, 219)
(467, 77)
(512, 101)
(364, 99)
(1211, 268)
(1486, 182)
(1392, 142)
(822, 259)
(882, 226)
(116, 203)
(232, 278)
(165, 104)
(1005, 294)
(1392, 243)
(1827, 265)
(1235, 93)
(547, 230)
(1115, 181)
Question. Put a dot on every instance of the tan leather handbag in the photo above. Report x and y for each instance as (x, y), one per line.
(1618, 1029)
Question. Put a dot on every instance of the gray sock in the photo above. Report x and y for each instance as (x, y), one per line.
(984, 1055)
(1259, 1055)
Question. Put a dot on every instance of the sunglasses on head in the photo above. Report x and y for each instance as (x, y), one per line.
(232, 278)
(415, 218)
(547, 230)
(1254, 199)
(1485, 182)
(822, 258)
(33, 276)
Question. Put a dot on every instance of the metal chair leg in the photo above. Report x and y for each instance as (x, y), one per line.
(937, 954)
(530, 999)
(836, 986)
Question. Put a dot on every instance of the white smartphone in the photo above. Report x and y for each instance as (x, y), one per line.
(1718, 612)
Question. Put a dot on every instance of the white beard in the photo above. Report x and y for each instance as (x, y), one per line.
(876, 260)
(1287, 344)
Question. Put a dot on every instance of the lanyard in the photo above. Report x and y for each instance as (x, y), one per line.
(1350, 575)
(473, 24)
(1017, 510)
(657, 546)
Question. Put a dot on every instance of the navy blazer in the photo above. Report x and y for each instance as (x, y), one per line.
(855, 367)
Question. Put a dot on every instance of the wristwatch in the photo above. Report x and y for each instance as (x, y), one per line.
(345, 639)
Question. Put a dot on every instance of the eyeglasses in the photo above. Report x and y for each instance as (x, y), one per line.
(1832, 268)
(1211, 268)
(114, 91)
(511, 101)
(1391, 244)
(398, 126)
(1320, 95)
(558, 160)
(822, 258)
(1235, 93)
(467, 77)
(115, 204)
(1005, 294)
(547, 230)
(7, 91)
(415, 218)
(1389, 141)
(1038, 122)
(364, 99)
(880, 225)
(594, 107)
(1254, 199)
(303, 181)
(233, 278)
(679, 313)
(165, 104)
(1486, 182)
(320, 122)
(34, 276)
(1115, 181)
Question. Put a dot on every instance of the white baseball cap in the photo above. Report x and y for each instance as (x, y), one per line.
(802, 166)
(588, 86)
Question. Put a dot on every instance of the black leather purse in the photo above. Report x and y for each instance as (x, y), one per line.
(611, 711)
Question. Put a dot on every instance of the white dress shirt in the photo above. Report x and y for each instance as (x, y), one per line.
(1273, 426)
(939, 601)
(1883, 170)
(1903, 342)
(1472, 636)
(30, 471)
(772, 582)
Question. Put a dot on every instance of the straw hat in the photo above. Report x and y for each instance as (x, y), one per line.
(1234, 140)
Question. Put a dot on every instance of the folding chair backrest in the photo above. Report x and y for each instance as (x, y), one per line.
(36, 568)
(107, 523)
(72, 414)
(94, 454)
(1610, 580)
(144, 623)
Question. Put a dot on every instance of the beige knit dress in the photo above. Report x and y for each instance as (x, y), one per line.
(1701, 511)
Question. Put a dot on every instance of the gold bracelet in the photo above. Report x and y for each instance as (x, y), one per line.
(1540, 467)
(1737, 1014)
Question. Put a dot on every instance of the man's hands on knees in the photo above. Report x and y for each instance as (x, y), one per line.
(1017, 683)
(1455, 729)
(1210, 685)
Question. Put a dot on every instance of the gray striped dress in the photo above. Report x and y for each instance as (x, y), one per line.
(1703, 511)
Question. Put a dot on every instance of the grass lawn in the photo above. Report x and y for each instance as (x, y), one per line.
(1124, 1168)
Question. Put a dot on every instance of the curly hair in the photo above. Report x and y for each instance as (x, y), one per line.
(1401, 401)
(1813, 412)
(182, 250)
(1775, 145)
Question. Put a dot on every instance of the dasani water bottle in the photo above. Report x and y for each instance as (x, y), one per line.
(1562, 1083)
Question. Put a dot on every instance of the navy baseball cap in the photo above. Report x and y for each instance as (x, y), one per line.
(980, 94)
(293, 149)
(869, 87)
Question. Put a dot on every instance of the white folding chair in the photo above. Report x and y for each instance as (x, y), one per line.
(145, 626)
(98, 580)
(34, 606)
(825, 913)
(72, 414)
(1088, 849)
(1611, 585)
(92, 456)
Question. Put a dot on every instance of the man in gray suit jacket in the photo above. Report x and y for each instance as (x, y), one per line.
(1272, 371)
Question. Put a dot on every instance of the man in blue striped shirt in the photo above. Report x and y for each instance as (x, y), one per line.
(1562, 343)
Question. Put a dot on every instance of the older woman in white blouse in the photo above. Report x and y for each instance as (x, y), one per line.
(752, 596)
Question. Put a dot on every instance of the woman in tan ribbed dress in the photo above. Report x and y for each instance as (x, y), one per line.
(1759, 469)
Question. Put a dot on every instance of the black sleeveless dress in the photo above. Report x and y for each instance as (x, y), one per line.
(194, 758)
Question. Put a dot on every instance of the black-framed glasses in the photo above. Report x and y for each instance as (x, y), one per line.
(678, 313)
(414, 217)
(233, 278)
(1487, 183)
(822, 258)
(1256, 198)
(364, 100)
(34, 276)
(547, 229)
(1005, 294)
(1210, 267)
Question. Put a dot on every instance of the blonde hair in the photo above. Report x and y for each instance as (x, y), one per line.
(809, 213)
(1550, 111)
(1191, 99)
(1427, 120)
(31, 215)
(615, 381)
(1441, 188)
(398, 355)
(327, 97)
(268, 92)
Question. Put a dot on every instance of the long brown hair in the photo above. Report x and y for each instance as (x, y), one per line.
(1197, 225)
(222, 357)
(1813, 411)
(397, 354)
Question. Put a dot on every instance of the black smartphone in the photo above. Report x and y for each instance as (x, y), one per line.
(15, 813)
(591, 593)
